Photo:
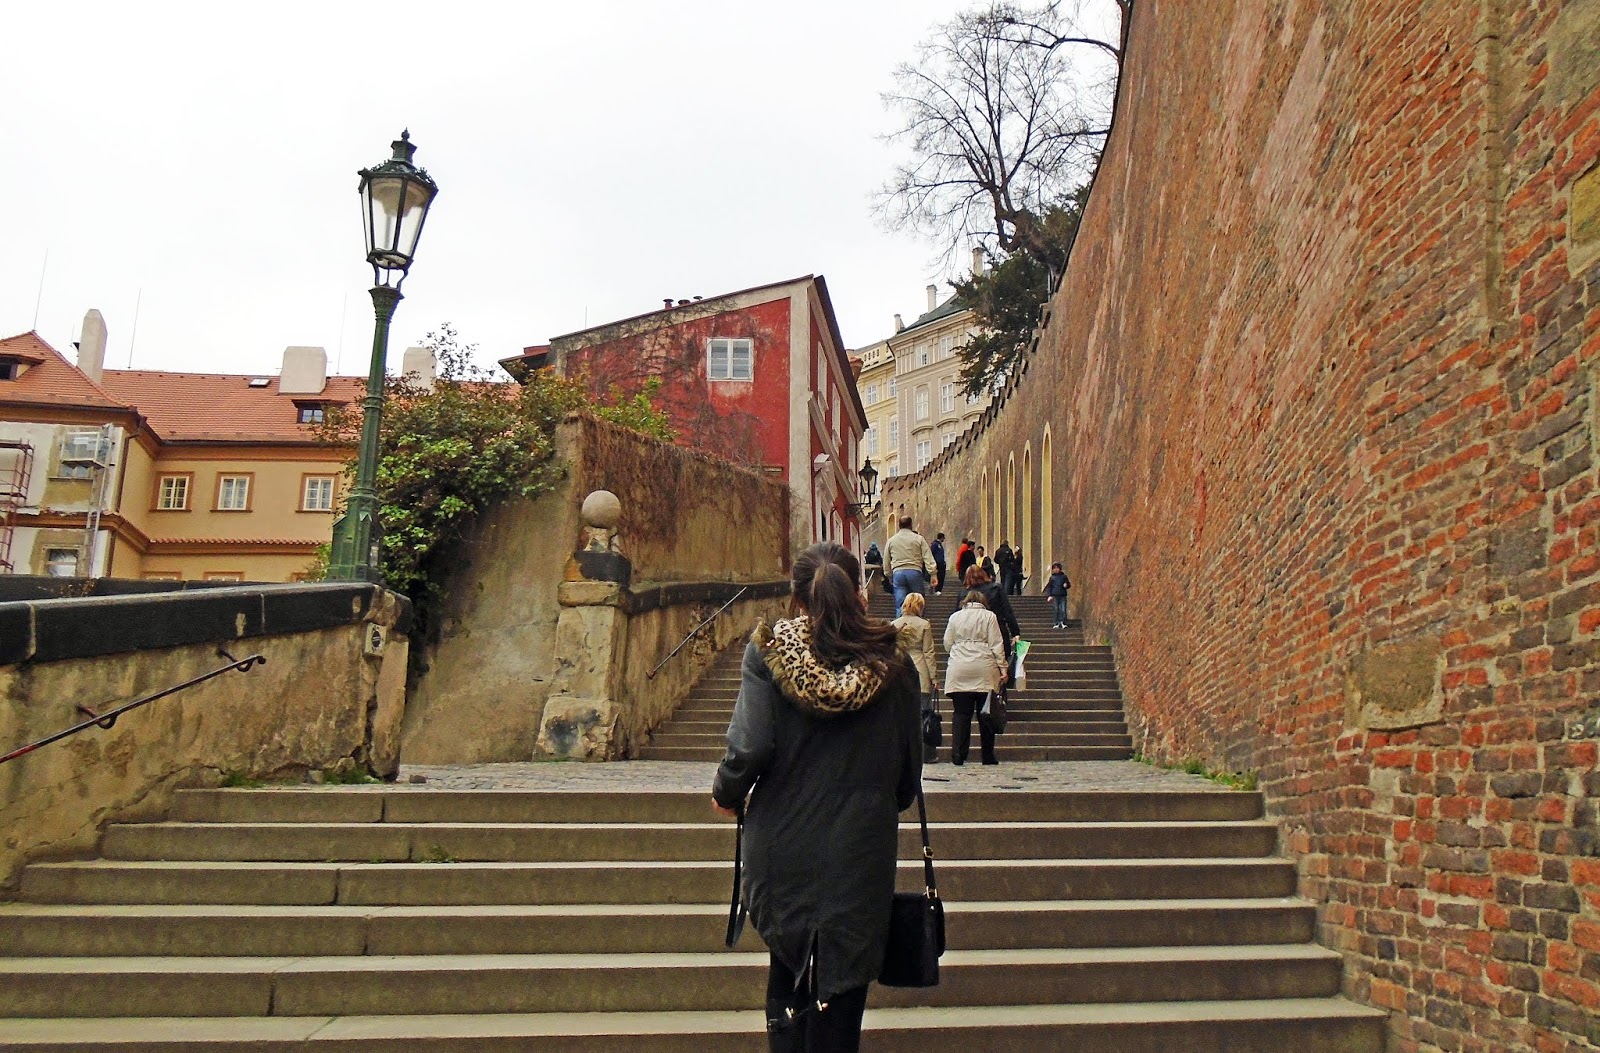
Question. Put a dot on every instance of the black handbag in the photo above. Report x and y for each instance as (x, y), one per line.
(932, 725)
(916, 925)
(993, 715)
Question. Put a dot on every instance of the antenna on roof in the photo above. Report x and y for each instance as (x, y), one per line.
(133, 336)
(38, 299)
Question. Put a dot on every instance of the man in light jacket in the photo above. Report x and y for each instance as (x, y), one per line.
(910, 563)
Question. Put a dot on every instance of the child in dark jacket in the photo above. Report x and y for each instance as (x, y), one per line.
(1056, 591)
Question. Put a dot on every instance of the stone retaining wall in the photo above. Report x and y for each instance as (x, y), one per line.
(330, 694)
(1315, 423)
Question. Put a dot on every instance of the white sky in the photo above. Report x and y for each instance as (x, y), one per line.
(199, 159)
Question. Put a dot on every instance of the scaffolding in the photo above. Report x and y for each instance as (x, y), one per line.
(95, 463)
(16, 473)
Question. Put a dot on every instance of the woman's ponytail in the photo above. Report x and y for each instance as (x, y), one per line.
(825, 578)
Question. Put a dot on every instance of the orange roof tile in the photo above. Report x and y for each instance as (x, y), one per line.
(50, 380)
(213, 407)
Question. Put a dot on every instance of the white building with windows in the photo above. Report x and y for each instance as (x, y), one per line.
(927, 408)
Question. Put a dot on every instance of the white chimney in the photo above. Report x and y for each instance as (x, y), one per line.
(933, 297)
(92, 346)
(305, 371)
(899, 323)
(977, 260)
(420, 366)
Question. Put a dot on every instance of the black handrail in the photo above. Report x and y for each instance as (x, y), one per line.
(106, 720)
(694, 632)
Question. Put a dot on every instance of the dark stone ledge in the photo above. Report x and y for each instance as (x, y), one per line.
(53, 630)
(647, 598)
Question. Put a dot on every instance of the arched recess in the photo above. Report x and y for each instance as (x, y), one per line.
(983, 503)
(1010, 532)
(999, 523)
(1047, 511)
(1030, 553)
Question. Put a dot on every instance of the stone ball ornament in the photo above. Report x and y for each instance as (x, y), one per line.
(602, 510)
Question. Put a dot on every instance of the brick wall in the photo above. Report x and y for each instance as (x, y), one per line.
(1319, 394)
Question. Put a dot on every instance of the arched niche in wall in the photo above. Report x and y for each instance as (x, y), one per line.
(1030, 551)
(983, 505)
(1047, 512)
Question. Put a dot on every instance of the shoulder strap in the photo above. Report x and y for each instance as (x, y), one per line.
(927, 848)
(736, 911)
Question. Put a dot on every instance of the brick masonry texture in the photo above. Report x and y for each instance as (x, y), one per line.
(1313, 425)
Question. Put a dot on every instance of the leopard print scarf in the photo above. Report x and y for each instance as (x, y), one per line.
(805, 680)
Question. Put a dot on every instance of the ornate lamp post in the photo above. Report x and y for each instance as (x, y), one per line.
(869, 488)
(395, 197)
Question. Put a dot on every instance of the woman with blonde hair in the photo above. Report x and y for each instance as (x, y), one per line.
(916, 640)
(977, 667)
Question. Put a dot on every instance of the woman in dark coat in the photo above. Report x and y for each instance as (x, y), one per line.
(826, 745)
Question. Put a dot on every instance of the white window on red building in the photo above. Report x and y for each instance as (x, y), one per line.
(731, 359)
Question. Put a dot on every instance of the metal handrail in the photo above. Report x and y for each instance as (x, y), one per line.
(107, 720)
(651, 675)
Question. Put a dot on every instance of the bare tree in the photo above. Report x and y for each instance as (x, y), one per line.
(1004, 115)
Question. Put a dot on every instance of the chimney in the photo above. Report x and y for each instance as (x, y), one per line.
(933, 297)
(420, 367)
(92, 346)
(305, 371)
(977, 260)
(899, 323)
(666, 303)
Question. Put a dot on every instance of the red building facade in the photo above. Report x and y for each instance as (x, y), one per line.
(759, 377)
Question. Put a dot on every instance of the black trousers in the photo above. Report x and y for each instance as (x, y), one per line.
(836, 1029)
(965, 706)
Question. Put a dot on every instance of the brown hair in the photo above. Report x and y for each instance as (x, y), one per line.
(974, 577)
(824, 579)
(975, 597)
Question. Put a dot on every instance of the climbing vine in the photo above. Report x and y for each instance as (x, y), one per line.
(449, 451)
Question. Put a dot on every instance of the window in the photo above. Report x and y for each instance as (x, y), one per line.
(61, 562)
(731, 359)
(233, 493)
(224, 575)
(311, 412)
(80, 450)
(922, 403)
(871, 394)
(316, 494)
(872, 441)
(172, 494)
(947, 345)
(924, 354)
(924, 452)
(894, 471)
(891, 387)
(947, 440)
(894, 432)
(947, 398)
(161, 575)
(10, 369)
(972, 400)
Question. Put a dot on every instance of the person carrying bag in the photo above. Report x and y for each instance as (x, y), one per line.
(974, 672)
(824, 752)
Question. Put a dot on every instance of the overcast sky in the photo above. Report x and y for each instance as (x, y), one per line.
(199, 160)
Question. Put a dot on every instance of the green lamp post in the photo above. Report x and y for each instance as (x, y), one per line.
(395, 197)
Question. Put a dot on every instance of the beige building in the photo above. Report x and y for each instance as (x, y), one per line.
(152, 474)
(928, 411)
(876, 384)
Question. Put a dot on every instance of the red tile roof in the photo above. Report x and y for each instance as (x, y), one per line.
(51, 380)
(214, 407)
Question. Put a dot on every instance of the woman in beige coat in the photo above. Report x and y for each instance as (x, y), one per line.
(916, 640)
(976, 667)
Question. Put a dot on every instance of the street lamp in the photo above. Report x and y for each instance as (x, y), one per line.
(395, 197)
(869, 487)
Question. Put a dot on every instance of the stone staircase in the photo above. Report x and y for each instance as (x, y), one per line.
(1070, 710)
(388, 918)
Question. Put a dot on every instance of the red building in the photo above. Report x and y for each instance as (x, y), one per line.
(758, 377)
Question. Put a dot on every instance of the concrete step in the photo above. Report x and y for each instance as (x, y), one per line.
(337, 985)
(448, 884)
(552, 842)
(1021, 735)
(182, 930)
(1003, 753)
(1303, 1025)
(405, 804)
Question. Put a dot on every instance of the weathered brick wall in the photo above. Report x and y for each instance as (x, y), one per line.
(1320, 386)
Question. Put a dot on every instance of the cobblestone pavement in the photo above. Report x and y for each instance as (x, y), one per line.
(675, 776)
